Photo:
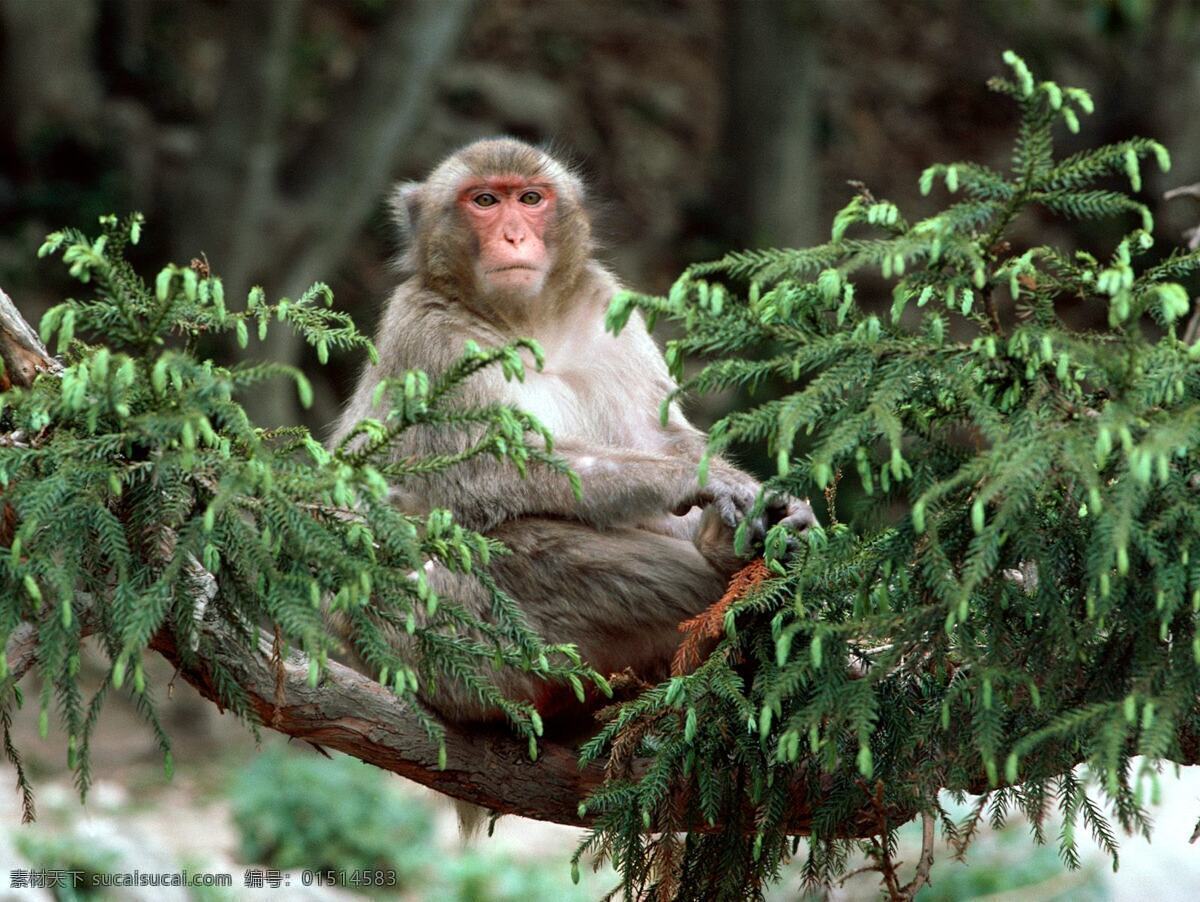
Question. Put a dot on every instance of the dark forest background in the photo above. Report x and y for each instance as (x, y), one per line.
(265, 134)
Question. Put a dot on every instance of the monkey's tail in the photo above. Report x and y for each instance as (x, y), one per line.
(471, 819)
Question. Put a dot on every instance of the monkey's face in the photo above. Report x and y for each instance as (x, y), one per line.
(509, 217)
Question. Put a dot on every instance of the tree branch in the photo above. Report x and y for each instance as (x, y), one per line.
(356, 715)
(307, 212)
(340, 176)
(925, 862)
(20, 652)
(22, 351)
(233, 180)
(50, 69)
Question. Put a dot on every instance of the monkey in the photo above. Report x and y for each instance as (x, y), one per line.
(498, 245)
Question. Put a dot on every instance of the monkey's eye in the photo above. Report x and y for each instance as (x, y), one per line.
(486, 200)
(531, 198)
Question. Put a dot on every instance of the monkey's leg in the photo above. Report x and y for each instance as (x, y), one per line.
(618, 594)
(708, 532)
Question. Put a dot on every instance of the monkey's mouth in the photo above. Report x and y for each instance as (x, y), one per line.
(514, 266)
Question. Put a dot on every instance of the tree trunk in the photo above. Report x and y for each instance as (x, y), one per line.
(770, 135)
(49, 45)
(263, 219)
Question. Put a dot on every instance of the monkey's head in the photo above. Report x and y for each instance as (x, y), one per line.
(499, 224)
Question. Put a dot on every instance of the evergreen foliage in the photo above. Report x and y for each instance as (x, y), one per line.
(1015, 591)
(135, 476)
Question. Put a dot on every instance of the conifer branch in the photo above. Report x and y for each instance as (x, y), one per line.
(1036, 449)
(351, 713)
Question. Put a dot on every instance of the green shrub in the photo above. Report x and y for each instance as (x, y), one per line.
(302, 811)
(80, 857)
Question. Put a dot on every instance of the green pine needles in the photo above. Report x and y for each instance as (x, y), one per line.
(1016, 589)
(134, 477)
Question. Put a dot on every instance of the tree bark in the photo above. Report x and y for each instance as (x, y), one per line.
(356, 715)
(22, 351)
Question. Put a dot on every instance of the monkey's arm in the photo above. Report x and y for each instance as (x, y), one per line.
(618, 487)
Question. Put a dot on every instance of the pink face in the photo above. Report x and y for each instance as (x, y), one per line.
(509, 215)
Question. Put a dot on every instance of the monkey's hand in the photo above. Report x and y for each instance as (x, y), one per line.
(784, 510)
(731, 493)
(797, 515)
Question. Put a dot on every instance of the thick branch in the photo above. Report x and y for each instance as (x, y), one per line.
(20, 652)
(356, 715)
(23, 353)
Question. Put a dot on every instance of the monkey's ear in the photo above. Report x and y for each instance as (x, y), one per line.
(406, 207)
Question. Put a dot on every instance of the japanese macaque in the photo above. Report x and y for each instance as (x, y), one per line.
(499, 247)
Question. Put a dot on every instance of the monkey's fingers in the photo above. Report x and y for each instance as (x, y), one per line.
(784, 510)
(701, 498)
(792, 513)
(756, 532)
(735, 502)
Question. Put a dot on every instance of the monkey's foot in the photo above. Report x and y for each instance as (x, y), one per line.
(626, 685)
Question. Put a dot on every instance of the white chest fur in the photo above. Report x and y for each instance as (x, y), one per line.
(585, 394)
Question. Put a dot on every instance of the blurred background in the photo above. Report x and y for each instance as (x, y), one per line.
(265, 135)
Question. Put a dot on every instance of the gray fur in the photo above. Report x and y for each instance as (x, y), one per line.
(647, 546)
